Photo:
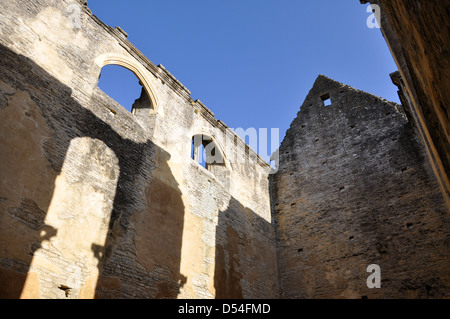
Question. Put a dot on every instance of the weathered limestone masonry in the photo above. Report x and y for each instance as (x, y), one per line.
(355, 188)
(418, 34)
(98, 202)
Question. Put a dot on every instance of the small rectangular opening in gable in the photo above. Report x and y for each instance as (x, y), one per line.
(326, 99)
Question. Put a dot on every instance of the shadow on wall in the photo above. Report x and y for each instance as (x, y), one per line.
(142, 251)
(245, 258)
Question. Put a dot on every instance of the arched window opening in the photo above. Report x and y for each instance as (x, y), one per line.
(205, 152)
(199, 155)
(124, 87)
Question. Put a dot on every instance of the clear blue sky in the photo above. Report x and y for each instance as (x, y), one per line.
(252, 62)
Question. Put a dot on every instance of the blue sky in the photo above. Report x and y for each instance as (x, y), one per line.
(252, 62)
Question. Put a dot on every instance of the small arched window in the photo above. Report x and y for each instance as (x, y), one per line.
(125, 88)
(205, 152)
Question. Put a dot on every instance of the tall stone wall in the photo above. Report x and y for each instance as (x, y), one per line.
(418, 33)
(98, 202)
(355, 188)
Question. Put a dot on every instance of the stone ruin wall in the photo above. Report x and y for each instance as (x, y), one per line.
(355, 188)
(417, 34)
(99, 202)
